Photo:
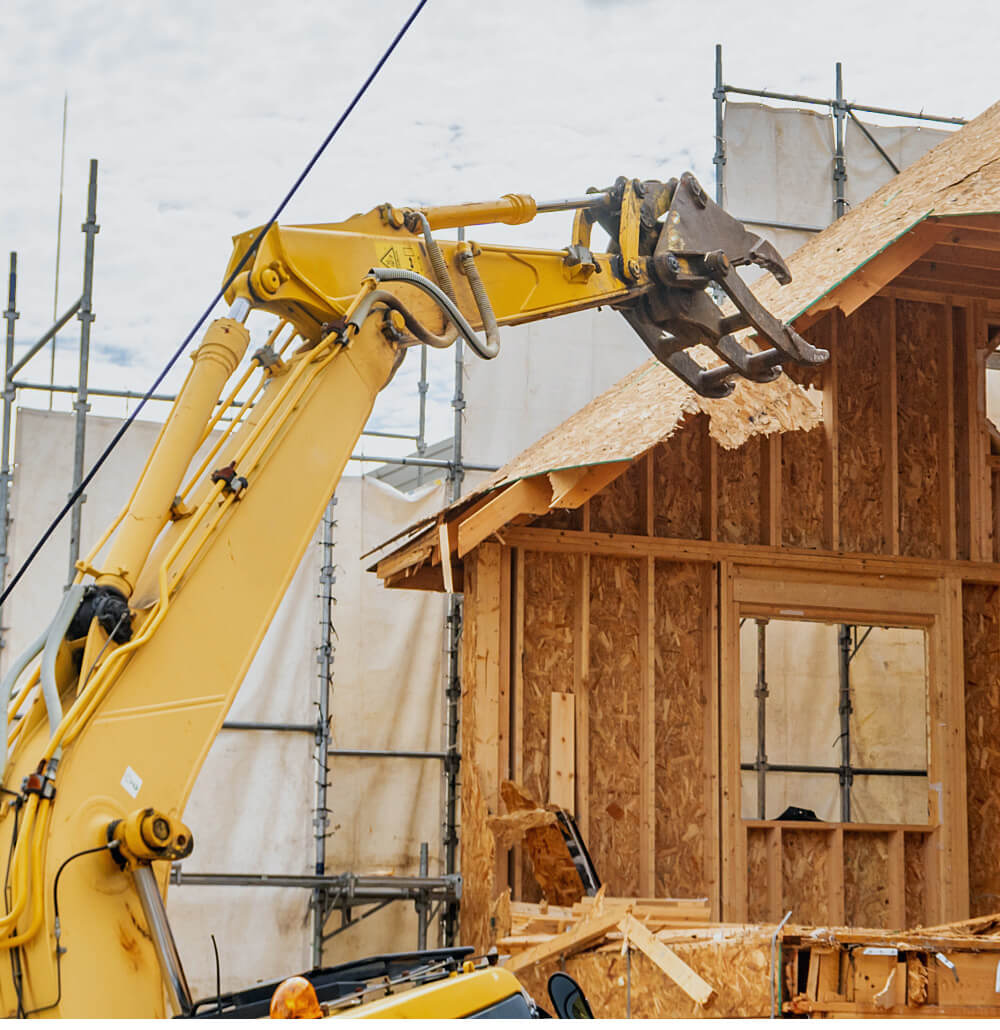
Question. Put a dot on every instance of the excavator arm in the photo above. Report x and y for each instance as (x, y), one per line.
(113, 710)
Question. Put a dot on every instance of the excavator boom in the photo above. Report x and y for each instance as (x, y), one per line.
(112, 712)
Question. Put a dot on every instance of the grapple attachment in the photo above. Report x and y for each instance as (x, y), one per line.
(700, 244)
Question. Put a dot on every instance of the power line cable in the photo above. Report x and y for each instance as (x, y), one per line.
(220, 293)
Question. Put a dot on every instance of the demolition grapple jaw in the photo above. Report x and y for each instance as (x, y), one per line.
(700, 244)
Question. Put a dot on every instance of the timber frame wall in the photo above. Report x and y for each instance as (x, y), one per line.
(601, 644)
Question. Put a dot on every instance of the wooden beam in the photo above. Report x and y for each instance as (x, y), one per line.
(693, 985)
(517, 701)
(835, 886)
(445, 551)
(485, 610)
(581, 687)
(586, 932)
(946, 453)
(882, 268)
(501, 874)
(562, 754)
(647, 727)
(710, 741)
(941, 287)
(775, 873)
(622, 545)
(525, 497)
(890, 436)
(967, 257)
(831, 450)
(571, 487)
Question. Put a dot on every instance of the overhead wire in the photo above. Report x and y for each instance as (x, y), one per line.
(27, 850)
(219, 294)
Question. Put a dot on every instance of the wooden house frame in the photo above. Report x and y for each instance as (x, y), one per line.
(606, 569)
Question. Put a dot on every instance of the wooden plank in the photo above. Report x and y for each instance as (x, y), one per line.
(571, 487)
(955, 785)
(562, 754)
(733, 836)
(525, 497)
(946, 460)
(581, 690)
(486, 659)
(770, 490)
(775, 891)
(647, 494)
(897, 881)
(585, 933)
(504, 756)
(710, 684)
(831, 451)
(979, 473)
(647, 728)
(836, 884)
(517, 701)
(694, 986)
(710, 486)
(890, 436)
(567, 541)
(446, 570)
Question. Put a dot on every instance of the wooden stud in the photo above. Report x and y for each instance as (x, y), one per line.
(770, 490)
(831, 450)
(486, 672)
(710, 509)
(525, 497)
(775, 886)
(982, 518)
(733, 836)
(710, 642)
(504, 756)
(835, 893)
(446, 570)
(946, 461)
(890, 436)
(647, 492)
(562, 754)
(517, 743)
(897, 881)
(581, 687)
(647, 728)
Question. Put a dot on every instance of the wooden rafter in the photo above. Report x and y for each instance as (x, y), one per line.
(525, 497)
(571, 487)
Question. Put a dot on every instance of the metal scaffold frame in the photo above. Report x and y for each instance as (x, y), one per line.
(354, 896)
(841, 110)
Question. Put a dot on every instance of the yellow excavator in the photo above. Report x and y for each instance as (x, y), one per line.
(112, 710)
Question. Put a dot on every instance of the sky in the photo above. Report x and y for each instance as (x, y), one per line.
(201, 115)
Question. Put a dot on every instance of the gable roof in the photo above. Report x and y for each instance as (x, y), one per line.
(949, 197)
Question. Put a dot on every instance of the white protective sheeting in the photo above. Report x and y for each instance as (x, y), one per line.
(252, 807)
(779, 166)
(545, 372)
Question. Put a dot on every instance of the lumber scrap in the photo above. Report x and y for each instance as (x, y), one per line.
(659, 911)
(550, 859)
(580, 937)
(511, 828)
(694, 986)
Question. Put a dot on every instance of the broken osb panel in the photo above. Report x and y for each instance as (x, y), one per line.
(546, 850)
(684, 841)
(981, 640)
(615, 710)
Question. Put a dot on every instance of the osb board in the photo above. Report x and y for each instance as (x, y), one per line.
(478, 858)
(921, 424)
(680, 594)
(981, 636)
(757, 876)
(679, 481)
(805, 875)
(960, 435)
(866, 879)
(739, 494)
(615, 714)
(915, 879)
(618, 507)
(550, 586)
(802, 488)
(546, 854)
(860, 427)
(560, 518)
(738, 968)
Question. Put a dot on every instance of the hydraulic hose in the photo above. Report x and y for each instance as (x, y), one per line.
(485, 349)
(50, 689)
(438, 263)
(486, 314)
(19, 665)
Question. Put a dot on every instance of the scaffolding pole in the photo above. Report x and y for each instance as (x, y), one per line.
(10, 317)
(86, 316)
